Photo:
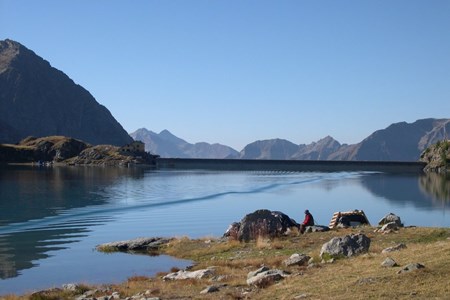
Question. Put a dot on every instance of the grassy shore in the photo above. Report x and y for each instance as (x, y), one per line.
(360, 277)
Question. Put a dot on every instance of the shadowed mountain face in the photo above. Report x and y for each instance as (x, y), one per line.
(401, 141)
(166, 144)
(39, 100)
(398, 142)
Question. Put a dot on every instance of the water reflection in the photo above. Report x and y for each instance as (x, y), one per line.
(425, 191)
(34, 193)
(22, 250)
(436, 186)
(35, 206)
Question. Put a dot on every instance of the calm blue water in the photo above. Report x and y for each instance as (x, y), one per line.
(52, 219)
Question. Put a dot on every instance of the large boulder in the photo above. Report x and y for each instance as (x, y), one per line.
(348, 245)
(391, 218)
(261, 223)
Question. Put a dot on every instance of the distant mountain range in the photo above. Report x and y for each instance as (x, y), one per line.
(398, 142)
(39, 100)
(166, 144)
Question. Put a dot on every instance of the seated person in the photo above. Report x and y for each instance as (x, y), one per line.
(308, 221)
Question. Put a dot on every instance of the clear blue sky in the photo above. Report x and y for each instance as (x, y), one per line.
(238, 71)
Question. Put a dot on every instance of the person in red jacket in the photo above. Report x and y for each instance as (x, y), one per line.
(308, 221)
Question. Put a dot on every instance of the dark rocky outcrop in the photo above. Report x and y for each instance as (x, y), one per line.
(261, 223)
(69, 151)
(52, 148)
(437, 157)
(348, 245)
(38, 100)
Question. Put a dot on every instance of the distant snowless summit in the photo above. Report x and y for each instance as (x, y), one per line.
(166, 144)
(398, 142)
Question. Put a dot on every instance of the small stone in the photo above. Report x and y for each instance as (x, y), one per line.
(411, 267)
(210, 289)
(394, 248)
(389, 263)
(70, 287)
(297, 259)
(301, 296)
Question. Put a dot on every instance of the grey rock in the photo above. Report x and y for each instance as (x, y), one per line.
(348, 245)
(297, 259)
(397, 247)
(181, 275)
(411, 267)
(261, 223)
(316, 228)
(266, 278)
(389, 263)
(70, 287)
(389, 218)
(260, 270)
(388, 227)
(139, 244)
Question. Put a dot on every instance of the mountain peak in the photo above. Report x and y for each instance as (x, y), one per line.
(40, 100)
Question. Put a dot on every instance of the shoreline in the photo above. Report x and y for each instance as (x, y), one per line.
(233, 260)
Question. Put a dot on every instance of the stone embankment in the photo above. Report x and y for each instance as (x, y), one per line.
(290, 165)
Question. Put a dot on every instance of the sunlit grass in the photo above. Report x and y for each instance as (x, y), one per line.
(360, 277)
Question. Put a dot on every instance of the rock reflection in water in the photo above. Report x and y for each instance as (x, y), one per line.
(437, 186)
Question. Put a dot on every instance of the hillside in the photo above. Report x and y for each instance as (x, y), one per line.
(39, 100)
(165, 144)
(69, 151)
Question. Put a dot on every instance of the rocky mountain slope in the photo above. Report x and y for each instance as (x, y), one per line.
(39, 100)
(165, 144)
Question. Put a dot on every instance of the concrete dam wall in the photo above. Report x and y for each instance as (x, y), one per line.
(289, 165)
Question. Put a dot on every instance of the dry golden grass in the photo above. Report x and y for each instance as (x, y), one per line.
(361, 277)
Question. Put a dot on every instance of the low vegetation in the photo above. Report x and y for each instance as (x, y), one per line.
(437, 157)
(360, 277)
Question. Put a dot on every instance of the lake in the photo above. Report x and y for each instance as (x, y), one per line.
(51, 219)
